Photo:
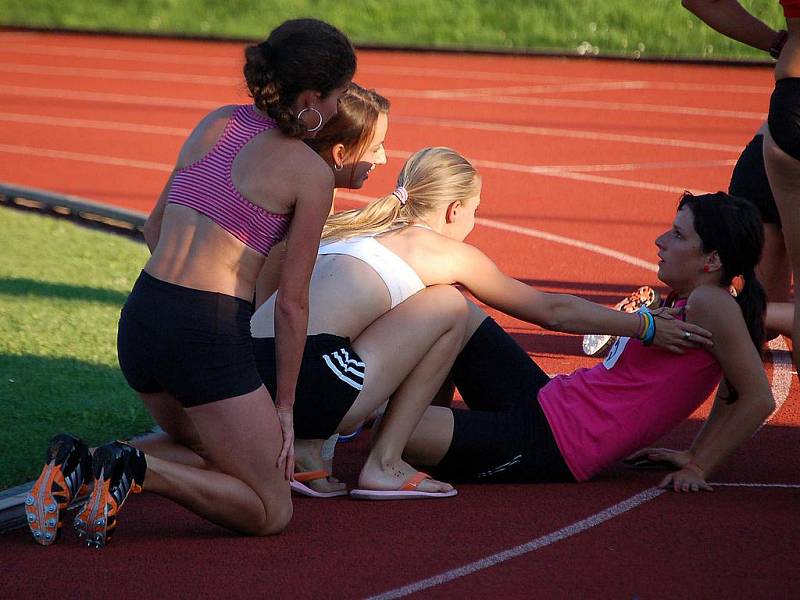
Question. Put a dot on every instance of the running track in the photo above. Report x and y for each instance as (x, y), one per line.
(583, 162)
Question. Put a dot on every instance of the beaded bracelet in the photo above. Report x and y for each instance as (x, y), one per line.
(650, 331)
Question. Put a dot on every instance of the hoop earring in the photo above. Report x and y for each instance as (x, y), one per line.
(338, 167)
(319, 116)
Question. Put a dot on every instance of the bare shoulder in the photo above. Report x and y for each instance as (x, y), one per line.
(713, 308)
(205, 135)
(310, 168)
(439, 259)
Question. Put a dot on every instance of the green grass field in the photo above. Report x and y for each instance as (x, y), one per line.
(633, 28)
(61, 290)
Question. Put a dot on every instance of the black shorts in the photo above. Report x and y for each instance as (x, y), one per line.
(330, 379)
(749, 181)
(194, 345)
(505, 436)
(784, 116)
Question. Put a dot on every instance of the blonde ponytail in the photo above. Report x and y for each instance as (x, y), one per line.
(433, 177)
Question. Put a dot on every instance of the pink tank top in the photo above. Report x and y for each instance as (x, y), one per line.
(637, 395)
(207, 186)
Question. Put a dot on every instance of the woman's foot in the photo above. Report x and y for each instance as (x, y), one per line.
(398, 481)
(310, 473)
(118, 470)
(64, 477)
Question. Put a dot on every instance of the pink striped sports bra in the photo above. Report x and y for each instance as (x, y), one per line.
(207, 187)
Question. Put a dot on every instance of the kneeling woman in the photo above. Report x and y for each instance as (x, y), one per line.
(523, 426)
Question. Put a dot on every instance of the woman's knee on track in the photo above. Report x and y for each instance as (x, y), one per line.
(275, 519)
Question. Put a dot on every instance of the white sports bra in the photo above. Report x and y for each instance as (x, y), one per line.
(400, 279)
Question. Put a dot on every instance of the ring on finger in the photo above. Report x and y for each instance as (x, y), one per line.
(687, 335)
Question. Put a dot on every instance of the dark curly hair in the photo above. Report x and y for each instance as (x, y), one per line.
(300, 54)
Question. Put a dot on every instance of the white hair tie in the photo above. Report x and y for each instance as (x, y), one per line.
(401, 194)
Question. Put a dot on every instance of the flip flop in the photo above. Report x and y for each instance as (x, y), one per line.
(298, 484)
(408, 491)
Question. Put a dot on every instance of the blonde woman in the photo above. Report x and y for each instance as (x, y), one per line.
(384, 321)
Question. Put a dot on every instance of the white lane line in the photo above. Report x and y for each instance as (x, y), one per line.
(109, 98)
(554, 170)
(132, 100)
(221, 61)
(593, 105)
(125, 75)
(587, 86)
(36, 119)
(599, 85)
(107, 54)
(83, 157)
(185, 78)
(94, 124)
(568, 133)
(125, 162)
(781, 375)
(568, 174)
(536, 544)
(790, 486)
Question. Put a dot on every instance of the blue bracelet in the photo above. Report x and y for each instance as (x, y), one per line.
(650, 332)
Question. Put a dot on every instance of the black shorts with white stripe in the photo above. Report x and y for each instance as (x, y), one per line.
(330, 379)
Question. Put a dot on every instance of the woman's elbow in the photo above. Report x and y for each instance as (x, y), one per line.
(290, 306)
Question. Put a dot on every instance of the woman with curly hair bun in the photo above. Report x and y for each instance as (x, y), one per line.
(244, 180)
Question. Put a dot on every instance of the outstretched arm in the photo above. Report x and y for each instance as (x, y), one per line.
(731, 19)
(558, 312)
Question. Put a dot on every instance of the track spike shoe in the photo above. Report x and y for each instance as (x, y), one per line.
(64, 477)
(595, 344)
(118, 471)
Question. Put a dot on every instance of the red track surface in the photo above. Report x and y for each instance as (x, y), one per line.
(103, 118)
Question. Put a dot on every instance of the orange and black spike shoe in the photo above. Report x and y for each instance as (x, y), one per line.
(63, 478)
(118, 470)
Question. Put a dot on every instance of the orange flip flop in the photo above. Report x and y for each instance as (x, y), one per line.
(408, 491)
(299, 485)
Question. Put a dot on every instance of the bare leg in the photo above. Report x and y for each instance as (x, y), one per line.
(780, 317)
(783, 172)
(242, 437)
(179, 442)
(774, 271)
(431, 440)
(426, 333)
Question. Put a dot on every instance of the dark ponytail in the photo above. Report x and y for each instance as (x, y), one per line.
(299, 55)
(732, 227)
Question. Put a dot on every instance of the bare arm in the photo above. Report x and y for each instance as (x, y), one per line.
(291, 305)
(729, 18)
(728, 425)
(557, 312)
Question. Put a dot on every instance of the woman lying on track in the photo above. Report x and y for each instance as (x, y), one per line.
(243, 181)
(524, 426)
(376, 328)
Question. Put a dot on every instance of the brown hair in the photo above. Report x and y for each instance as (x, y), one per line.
(300, 54)
(353, 125)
